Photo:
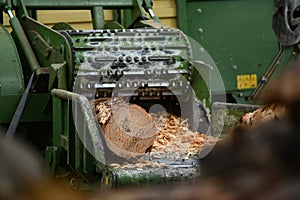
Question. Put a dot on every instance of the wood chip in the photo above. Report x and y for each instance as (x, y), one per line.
(172, 135)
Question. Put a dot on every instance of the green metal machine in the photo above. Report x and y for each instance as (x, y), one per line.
(49, 76)
(239, 37)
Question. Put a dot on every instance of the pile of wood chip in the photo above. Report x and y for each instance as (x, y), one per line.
(173, 134)
(261, 115)
(103, 108)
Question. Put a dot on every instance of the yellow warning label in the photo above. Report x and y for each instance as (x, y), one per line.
(247, 81)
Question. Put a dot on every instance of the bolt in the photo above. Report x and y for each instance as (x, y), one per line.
(144, 58)
(128, 59)
(200, 30)
(136, 59)
(90, 59)
(199, 10)
(264, 79)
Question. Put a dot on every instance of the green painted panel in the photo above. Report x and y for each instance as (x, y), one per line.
(236, 33)
(11, 75)
(8, 105)
(36, 109)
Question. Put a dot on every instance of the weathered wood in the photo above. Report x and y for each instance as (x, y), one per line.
(130, 130)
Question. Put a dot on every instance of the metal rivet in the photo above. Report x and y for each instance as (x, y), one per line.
(200, 30)
(199, 10)
(234, 67)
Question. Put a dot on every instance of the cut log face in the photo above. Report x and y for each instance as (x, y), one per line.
(130, 131)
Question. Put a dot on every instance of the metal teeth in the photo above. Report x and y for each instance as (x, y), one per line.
(118, 72)
(80, 85)
(109, 73)
(136, 64)
(88, 85)
(157, 71)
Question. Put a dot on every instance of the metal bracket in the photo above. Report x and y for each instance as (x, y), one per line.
(19, 111)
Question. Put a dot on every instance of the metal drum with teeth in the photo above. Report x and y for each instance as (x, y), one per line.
(141, 62)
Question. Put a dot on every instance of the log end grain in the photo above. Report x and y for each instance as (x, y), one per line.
(130, 131)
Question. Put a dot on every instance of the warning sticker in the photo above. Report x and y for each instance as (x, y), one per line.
(247, 81)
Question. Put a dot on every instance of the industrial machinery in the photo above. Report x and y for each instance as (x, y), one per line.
(48, 76)
(249, 49)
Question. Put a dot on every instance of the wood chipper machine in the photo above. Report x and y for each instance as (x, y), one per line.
(49, 77)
